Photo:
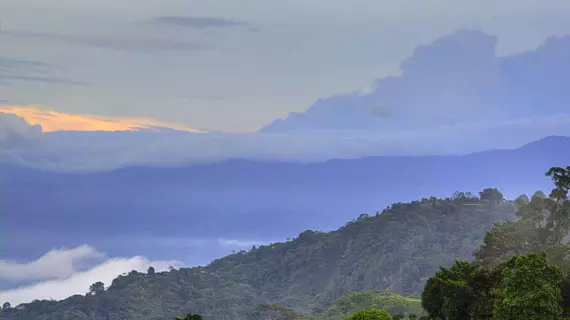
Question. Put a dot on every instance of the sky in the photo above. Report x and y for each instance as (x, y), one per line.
(235, 67)
(232, 66)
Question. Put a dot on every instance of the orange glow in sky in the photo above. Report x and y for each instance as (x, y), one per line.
(59, 121)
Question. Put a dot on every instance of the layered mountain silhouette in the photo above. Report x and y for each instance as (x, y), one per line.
(252, 200)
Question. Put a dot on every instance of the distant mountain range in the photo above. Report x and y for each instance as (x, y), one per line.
(249, 200)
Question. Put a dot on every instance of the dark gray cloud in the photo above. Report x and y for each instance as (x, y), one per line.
(8, 77)
(12, 70)
(144, 44)
(198, 22)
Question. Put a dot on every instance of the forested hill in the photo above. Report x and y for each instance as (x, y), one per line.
(397, 249)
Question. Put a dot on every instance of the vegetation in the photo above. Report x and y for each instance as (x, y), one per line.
(372, 314)
(189, 316)
(519, 271)
(521, 257)
(394, 304)
(397, 249)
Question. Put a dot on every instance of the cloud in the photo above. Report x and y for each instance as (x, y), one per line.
(198, 22)
(31, 71)
(58, 121)
(42, 79)
(238, 243)
(55, 264)
(124, 43)
(101, 151)
(456, 79)
(16, 131)
(76, 282)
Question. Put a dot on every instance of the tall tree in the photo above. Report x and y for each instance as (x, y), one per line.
(491, 195)
(97, 287)
(150, 270)
(529, 289)
(543, 225)
(461, 292)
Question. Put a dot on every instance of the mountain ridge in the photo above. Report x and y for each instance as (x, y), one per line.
(396, 249)
(240, 199)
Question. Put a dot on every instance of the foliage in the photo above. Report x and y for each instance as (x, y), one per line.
(398, 249)
(97, 287)
(190, 316)
(394, 304)
(491, 195)
(370, 314)
(274, 312)
(461, 292)
(520, 278)
(543, 224)
(530, 289)
(6, 305)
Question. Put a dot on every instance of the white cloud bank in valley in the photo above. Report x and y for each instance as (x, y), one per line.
(61, 279)
(101, 151)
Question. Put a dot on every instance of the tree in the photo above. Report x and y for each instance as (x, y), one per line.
(150, 270)
(561, 178)
(371, 314)
(190, 316)
(97, 287)
(491, 195)
(565, 292)
(6, 306)
(543, 225)
(461, 292)
(507, 240)
(529, 289)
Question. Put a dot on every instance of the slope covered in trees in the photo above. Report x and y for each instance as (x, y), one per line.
(522, 269)
(397, 249)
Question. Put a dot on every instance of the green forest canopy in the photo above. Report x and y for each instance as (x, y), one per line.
(399, 249)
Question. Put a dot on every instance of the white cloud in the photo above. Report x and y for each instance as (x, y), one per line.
(55, 264)
(15, 130)
(238, 243)
(79, 282)
(85, 151)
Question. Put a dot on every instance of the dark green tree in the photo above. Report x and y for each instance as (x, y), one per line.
(565, 292)
(491, 195)
(370, 314)
(6, 306)
(461, 292)
(150, 270)
(190, 316)
(561, 178)
(97, 287)
(529, 289)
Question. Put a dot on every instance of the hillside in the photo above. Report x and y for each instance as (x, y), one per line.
(354, 301)
(243, 200)
(397, 249)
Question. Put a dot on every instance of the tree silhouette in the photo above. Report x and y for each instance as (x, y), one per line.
(189, 316)
(97, 287)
